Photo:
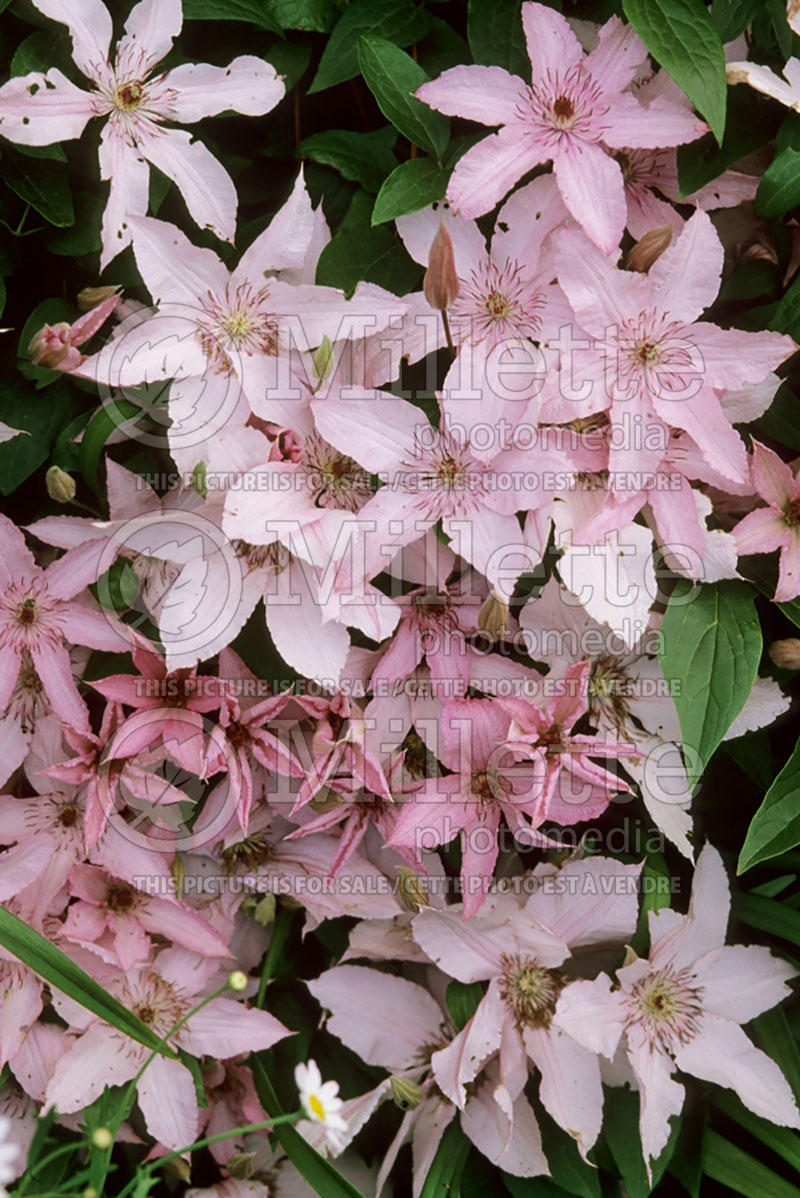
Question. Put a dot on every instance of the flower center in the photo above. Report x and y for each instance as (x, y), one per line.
(316, 1106)
(129, 96)
(648, 352)
(68, 815)
(791, 513)
(26, 612)
(529, 991)
(496, 305)
(450, 472)
(121, 897)
(238, 322)
(563, 112)
(489, 786)
(667, 1006)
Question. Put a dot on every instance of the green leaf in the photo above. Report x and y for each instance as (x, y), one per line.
(289, 59)
(84, 237)
(775, 827)
(621, 1117)
(711, 650)
(462, 1000)
(254, 12)
(769, 916)
(42, 183)
(318, 16)
(495, 35)
(365, 158)
(43, 419)
(782, 1140)
(729, 1165)
(656, 888)
(35, 951)
(567, 1168)
(753, 754)
(396, 21)
(681, 36)
(320, 1174)
(787, 316)
(751, 121)
(780, 419)
(773, 1034)
(411, 186)
(392, 76)
(444, 1174)
(42, 50)
(358, 251)
(779, 189)
(732, 17)
(99, 429)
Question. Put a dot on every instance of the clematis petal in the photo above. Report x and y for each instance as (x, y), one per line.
(248, 85)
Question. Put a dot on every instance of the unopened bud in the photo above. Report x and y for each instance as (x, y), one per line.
(89, 1192)
(406, 1094)
(264, 911)
(199, 480)
(323, 359)
(90, 297)
(240, 1166)
(441, 281)
(758, 249)
(325, 800)
(493, 616)
(178, 1168)
(50, 346)
(649, 248)
(410, 890)
(60, 485)
(786, 653)
(237, 981)
(102, 1137)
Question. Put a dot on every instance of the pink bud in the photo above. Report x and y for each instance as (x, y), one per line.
(441, 281)
(51, 347)
(649, 248)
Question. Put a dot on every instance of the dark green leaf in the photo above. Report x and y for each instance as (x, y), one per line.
(779, 189)
(711, 649)
(392, 76)
(462, 1000)
(358, 251)
(751, 121)
(773, 1034)
(681, 36)
(289, 59)
(42, 50)
(365, 158)
(42, 418)
(769, 916)
(495, 36)
(729, 1165)
(99, 429)
(787, 315)
(35, 951)
(753, 754)
(782, 1140)
(775, 827)
(397, 21)
(411, 186)
(254, 12)
(317, 15)
(780, 419)
(84, 236)
(621, 1117)
(732, 17)
(656, 887)
(42, 183)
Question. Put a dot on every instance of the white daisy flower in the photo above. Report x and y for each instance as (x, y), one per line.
(321, 1103)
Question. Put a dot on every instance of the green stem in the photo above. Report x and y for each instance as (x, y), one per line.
(280, 931)
(447, 334)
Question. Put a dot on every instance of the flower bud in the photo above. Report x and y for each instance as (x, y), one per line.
(90, 297)
(51, 345)
(240, 1166)
(441, 281)
(264, 911)
(102, 1138)
(406, 1094)
(60, 485)
(786, 653)
(493, 616)
(237, 981)
(410, 890)
(323, 359)
(649, 248)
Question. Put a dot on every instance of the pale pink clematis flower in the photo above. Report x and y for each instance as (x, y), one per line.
(576, 103)
(529, 954)
(160, 995)
(40, 109)
(776, 526)
(40, 610)
(682, 1008)
(651, 358)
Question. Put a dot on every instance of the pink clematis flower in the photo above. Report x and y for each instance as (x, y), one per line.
(40, 109)
(682, 1008)
(651, 359)
(529, 954)
(487, 783)
(40, 610)
(577, 102)
(159, 995)
(776, 526)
